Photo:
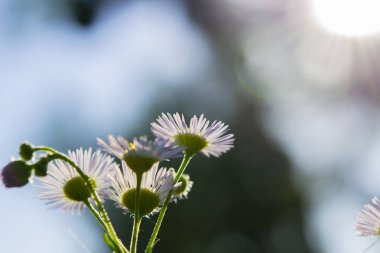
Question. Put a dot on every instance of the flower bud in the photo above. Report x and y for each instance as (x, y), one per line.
(40, 168)
(16, 174)
(26, 151)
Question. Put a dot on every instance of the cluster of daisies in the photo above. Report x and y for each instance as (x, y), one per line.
(63, 188)
(129, 174)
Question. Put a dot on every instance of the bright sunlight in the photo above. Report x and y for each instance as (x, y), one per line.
(348, 17)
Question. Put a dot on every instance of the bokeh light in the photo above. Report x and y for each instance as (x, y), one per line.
(348, 17)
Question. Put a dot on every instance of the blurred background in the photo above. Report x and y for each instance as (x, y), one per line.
(297, 81)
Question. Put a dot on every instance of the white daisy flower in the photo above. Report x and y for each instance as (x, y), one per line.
(368, 220)
(64, 189)
(155, 186)
(183, 189)
(199, 136)
(141, 154)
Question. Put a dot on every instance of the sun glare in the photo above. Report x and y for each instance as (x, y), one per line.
(348, 17)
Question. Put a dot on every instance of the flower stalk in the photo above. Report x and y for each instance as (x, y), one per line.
(137, 218)
(152, 241)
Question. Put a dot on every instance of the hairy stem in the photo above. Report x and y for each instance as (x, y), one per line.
(96, 214)
(185, 161)
(137, 218)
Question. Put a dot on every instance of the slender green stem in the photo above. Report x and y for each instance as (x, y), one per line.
(135, 237)
(137, 218)
(96, 214)
(88, 182)
(185, 161)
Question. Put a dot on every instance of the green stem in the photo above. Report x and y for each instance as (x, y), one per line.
(95, 213)
(137, 218)
(135, 237)
(185, 161)
(103, 214)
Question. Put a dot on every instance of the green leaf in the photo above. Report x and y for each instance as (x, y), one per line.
(111, 243)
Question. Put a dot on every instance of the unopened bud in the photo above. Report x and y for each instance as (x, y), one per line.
(16, 174)
(26, 151)
(40, 168)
